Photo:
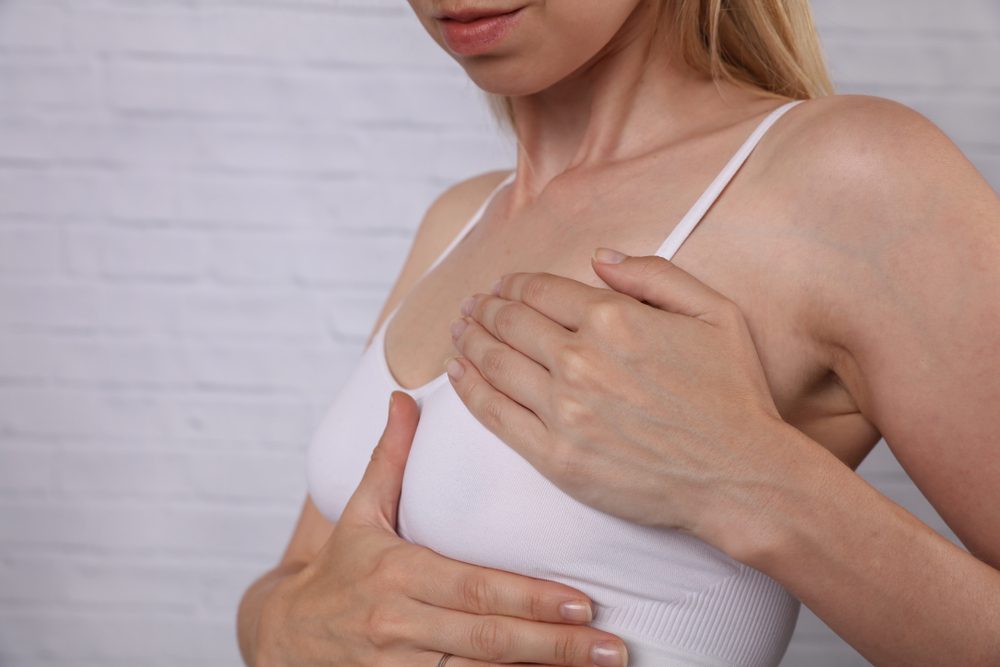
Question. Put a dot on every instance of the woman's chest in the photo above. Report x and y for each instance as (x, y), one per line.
(743, 248)
(468, 496)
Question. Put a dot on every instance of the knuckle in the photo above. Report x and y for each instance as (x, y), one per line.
(490, 639)
(385, 625)
(535, 606)
(568, 410)
(493, 363)
(493, 413)
(566, 650)
(574, 365)
(534, 288)
(652, 272)
(477, 594)
(503, 320)
(605, 316)
(390, 569)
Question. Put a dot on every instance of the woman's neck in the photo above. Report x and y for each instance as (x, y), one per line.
(614, 107)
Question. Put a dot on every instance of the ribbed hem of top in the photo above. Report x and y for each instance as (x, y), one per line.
(745, 620)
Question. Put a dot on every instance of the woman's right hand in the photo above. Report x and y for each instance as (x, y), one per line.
(372, 598)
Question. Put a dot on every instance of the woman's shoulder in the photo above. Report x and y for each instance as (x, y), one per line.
(456, 204)
(860, 166)
(444, 218)
(447, 213)
(896, 225)
(847, 122)
(873, 147)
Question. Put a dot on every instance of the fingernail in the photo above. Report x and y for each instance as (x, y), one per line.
(607, 654)
(576, 611)
(609, 256)
(454, 369)
(496, 287)
(392, 397)
(457, 327)
(466, 305)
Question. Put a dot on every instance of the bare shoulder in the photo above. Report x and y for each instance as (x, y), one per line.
(899, 240)
(845, 123)
(876, 193)
(876, 157)
(441, 222)
(872, 183)
(453, 207)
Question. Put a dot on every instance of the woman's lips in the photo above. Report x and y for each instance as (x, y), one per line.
(478, 36)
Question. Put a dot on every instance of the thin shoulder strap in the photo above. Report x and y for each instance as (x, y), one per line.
(470, 223)
(694, 215)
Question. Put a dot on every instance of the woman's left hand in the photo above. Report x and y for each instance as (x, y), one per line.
(647, 401)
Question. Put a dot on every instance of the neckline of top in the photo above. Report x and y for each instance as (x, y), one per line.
(378, 342)
(667, 248)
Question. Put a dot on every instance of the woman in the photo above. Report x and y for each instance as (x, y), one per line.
(630, 466)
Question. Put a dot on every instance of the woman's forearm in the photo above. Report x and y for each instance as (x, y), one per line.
(889, 585)
(248, 615)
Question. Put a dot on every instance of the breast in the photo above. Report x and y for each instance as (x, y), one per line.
(470, 497)
(342, 444)
(467, 495)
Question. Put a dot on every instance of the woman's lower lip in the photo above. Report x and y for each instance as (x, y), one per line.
(479, 36)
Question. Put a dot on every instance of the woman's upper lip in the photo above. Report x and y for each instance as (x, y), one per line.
(472, 14)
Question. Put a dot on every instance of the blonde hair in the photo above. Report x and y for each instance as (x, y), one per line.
(769, 45)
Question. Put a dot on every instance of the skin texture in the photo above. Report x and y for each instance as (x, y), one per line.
(357, 603)
(354, 593)
(669, 376)
(858, 247)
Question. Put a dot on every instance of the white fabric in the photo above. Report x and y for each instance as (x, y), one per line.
(674, 599)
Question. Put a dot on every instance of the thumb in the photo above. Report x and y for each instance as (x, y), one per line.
(659, 282)
(376, 500)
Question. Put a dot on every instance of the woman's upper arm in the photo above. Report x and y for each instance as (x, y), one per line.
(440, 223)
(911, 302)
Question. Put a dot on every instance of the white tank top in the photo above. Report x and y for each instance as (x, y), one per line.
(674, 599)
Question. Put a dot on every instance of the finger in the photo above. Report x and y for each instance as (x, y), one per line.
(454, 584)
(521, 327)
(520, 428)
(376, 499)
(507, 370)
(661, 283)
(431, 658)
(560, 299)
(504, 639)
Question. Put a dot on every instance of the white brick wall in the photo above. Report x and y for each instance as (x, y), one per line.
(195, 238)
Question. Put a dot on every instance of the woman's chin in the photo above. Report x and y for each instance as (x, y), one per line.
(506, 83)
